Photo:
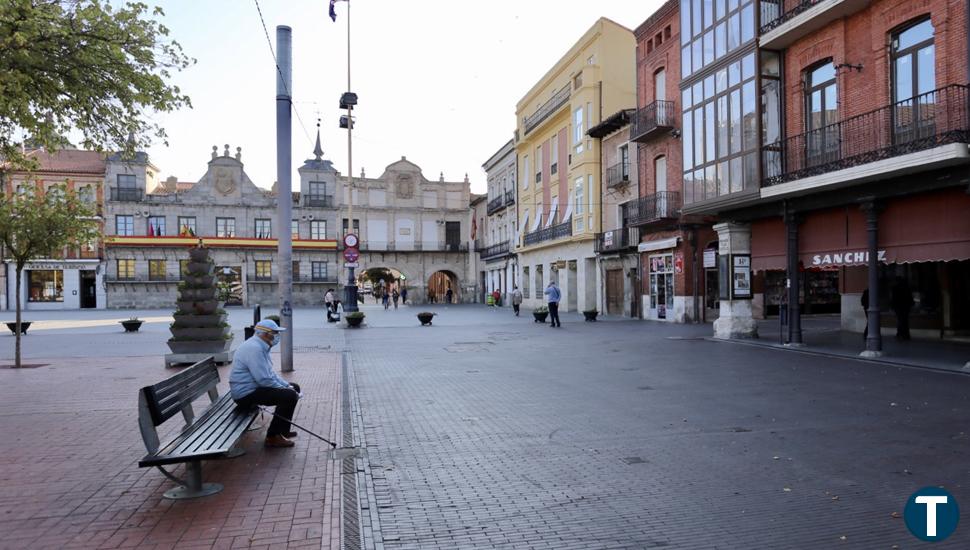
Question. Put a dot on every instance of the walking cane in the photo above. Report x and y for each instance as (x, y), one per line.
(295, 425)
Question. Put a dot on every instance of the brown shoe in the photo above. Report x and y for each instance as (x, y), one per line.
(278, 440)
(291, 435)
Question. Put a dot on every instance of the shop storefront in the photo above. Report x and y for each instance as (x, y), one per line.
(54, 285)
(661, 280)
(923, 253)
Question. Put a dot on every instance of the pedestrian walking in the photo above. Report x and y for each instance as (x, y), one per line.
(516, 300)
(330, 299)
(404, 296)
(552, 297)
(431, 296)
(387, 300)
(902, 302)
(395, 295)
(448, 295)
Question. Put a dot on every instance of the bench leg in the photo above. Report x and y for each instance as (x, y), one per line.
(194, 487)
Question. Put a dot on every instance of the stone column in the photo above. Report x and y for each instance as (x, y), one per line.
(792, 221)
(874, 336)
(736, 319)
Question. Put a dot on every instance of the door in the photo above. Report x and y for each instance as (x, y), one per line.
(453, 235)
(89, 290)
(822, 108)
(614, 292)
(914, 81)
(712, 304)
(661, 286)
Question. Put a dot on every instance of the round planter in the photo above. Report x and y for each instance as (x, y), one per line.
(590, 315)
(206, 307)
(199, 346)
(197, 294)
(199, 280)
(200, 267)
(206, 321)
(24, 325)
(199, 333)
(131, 326)
(199, 254)
(540, 316)
(354, 321)
(425, 318)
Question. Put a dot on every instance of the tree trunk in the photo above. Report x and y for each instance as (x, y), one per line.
(20, 269)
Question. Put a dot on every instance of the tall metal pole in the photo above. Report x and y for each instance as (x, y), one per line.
(284, 194)
(350, 290)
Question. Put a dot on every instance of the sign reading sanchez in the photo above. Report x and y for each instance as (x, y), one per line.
(846, 258)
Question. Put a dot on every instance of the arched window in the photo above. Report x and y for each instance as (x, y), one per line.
(914, 81)
(821, 112)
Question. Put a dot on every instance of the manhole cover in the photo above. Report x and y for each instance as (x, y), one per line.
(633, 460)
(506, 336)
(348, 452)
(24, 366)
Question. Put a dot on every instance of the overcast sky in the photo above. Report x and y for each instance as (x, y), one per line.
(438, 80)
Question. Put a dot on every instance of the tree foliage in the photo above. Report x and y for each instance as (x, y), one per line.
(88, 66)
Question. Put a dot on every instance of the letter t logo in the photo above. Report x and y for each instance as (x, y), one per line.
(931, 502)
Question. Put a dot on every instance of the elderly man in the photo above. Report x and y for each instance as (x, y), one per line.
(253, 382)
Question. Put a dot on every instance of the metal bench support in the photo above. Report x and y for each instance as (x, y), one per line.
(193, 486)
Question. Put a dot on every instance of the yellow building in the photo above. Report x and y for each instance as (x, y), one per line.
(559, 205)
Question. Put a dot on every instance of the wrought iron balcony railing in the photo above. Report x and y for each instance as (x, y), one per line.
(495, 250)
(495, 204)
(651, 120)
(127, 194)
(510, 197)
(664, 205)
(558, 100)
(616, 240)
(922, 122)
(554, 232)
(318, 201)
(618, 174)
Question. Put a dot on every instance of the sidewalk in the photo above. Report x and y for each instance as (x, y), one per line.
(822, 335)
(71, 479)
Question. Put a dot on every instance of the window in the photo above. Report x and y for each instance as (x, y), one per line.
(720, 132)
(318, 189)
(125, 226)
(589, 197)
(263, 228)
(578, 81)
(914, 79)
(45, 285)
(295, 229)
(356, 227)
(578, 129)
(186, 226)
(264, 270)
(318, 229)
(578, 206)
(554, 155)
(183, 269)
(660, 85)
(126, 181)
(708, 34)
(525, 170)
(319, 271)
(156, 270)
(821, 102)
(625, 162)
(86, 194)
(126, 268)
(296, 271)
(539, 164)
(225, 227)
(156, 226)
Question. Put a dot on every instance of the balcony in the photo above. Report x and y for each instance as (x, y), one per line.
(494, 251)
(785, 21)
(126, 194)
(559, 231)
(616, 240)
(318, 201)
(142, 279)
(652, 120)
(664, 205)
(510, 197)
(873, 145)
(618, 174)
(495, 205)
(384, 246)
(558, 100)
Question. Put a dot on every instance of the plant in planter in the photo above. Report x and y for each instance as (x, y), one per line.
(354, 318)
(24, 325)
(590, 314)
(540, 313)
(132, 324)
(425, 317)
(200, 326)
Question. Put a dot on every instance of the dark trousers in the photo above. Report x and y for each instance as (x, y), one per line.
(284, 399)
(902, 325)
(554, 313)
(515, 308)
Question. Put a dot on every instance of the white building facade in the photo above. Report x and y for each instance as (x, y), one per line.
(498, 250)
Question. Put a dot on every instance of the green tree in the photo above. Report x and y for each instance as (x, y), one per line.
(35, 224)
(84, 66)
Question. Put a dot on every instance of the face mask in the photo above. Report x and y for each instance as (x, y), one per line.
(276, 340)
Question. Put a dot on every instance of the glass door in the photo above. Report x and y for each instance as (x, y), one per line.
(661, 286)
(914, 82)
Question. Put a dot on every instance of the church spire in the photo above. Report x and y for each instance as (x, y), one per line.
(318, 151)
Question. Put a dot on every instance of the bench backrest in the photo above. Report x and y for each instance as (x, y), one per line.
(159, 402)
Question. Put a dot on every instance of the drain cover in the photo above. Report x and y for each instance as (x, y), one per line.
(633, 460)
(310, 349)
(345, 452)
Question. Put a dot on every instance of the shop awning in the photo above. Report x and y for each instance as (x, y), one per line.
(662, 244)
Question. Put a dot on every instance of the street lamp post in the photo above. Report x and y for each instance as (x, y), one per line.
(347, 101)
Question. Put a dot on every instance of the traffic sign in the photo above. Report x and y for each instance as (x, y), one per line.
(351, 254)
(349, 265)
(350, 240)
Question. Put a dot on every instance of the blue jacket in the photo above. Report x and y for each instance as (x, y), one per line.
(553, 295)
(252, 368)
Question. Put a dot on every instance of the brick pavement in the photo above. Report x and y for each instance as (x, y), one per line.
(69, 475)
(637, 435)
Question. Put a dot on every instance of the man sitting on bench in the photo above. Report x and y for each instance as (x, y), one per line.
(253, 382)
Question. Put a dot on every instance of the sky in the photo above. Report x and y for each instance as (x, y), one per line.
(437, 80)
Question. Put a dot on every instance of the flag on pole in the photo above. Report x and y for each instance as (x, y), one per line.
(333, 12)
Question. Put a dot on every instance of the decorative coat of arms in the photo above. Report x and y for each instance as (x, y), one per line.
(225, 183)
(405, 186)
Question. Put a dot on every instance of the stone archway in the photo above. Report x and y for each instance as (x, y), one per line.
(374, 281)
(438, 285)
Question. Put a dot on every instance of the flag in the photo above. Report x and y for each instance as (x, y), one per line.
(474, 228)
(151, 231)
(333, 13)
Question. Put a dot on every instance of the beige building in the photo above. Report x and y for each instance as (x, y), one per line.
(560, 171)
(498, 236)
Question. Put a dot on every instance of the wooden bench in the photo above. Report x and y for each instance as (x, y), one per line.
(211, 435)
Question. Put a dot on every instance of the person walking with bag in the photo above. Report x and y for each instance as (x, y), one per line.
(516, 300)
(552, 297)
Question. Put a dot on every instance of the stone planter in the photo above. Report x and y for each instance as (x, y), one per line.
(540, 316)
(590, 315)
(207, 307)
(199, 280)
(199, 346)
(200, 267)
(199, 254)
(354, 321)
(198, 294)
(131, 325)
(24, 325)
(187, 321)
(200, 333)
(425, 318)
